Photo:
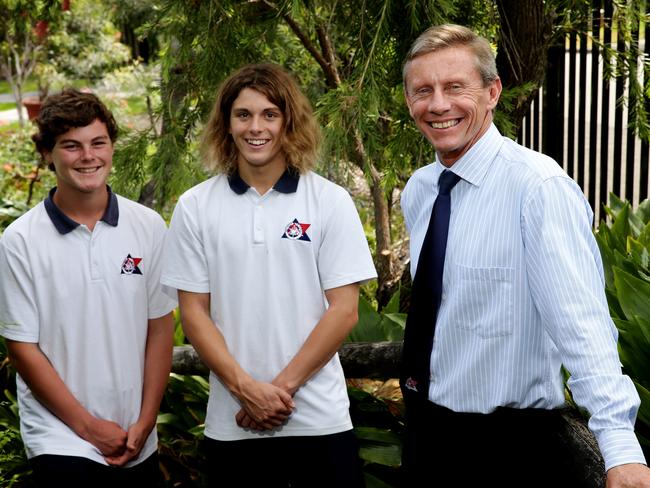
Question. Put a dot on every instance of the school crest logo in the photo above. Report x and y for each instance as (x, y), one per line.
(296, 231)
(130, 265)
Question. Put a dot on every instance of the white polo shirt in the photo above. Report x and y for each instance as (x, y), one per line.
(266, 261)
(85, 298)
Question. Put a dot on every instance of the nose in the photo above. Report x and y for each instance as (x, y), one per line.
(87, 152)
(438, 102)
(256, 124)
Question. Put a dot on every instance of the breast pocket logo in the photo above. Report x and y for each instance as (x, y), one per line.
(130, 266)
(296, 231)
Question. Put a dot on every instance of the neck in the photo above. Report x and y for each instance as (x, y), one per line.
(84, 208)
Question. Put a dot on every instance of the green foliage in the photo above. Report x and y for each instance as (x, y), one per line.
(83, 46)
(373, 326)
(378, 425)
(180, 429)
(624, 244)
(22, 34)
(13, 462)
(23, 178)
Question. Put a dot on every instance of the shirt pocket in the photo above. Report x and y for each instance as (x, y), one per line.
(484, 301)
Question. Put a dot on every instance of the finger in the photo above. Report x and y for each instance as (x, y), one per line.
(240, 416)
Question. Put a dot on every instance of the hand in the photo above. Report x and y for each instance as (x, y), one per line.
(107, 436)
(264, 406)
(246, 422)
(629, 476)
(136, 437)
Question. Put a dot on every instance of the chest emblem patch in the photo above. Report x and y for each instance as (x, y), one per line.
(296, 231)
(130, 266)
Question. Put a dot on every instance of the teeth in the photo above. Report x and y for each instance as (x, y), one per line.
(444, 125)
(87, 170)
(257, 142)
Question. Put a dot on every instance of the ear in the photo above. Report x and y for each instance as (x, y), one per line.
(494, 93)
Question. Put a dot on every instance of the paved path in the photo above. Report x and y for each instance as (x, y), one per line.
(7, 116)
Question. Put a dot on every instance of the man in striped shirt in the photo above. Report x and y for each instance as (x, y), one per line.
(522, 294)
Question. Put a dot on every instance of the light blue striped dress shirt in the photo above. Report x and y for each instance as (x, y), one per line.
(523, 293)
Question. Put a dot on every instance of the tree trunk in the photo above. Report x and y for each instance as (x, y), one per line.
(526, 33)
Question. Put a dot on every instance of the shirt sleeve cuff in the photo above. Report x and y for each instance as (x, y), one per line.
(620, 447)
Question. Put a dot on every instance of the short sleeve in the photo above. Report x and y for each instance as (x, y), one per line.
(344, 257)
(185, 265)
(19, 319)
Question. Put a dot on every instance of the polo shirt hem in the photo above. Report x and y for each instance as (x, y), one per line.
(296, 432)
(84, 453)
(348, 280)
(186, 285)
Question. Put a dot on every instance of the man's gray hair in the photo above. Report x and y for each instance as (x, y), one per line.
(452, 35)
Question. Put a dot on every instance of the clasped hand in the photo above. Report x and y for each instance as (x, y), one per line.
(264, 406)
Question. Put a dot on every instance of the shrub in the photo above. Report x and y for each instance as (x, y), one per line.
(624, 243)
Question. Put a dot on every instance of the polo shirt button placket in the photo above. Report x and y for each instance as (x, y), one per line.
(258, 230)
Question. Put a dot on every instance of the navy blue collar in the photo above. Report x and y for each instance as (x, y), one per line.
(288, 182)
(65, 224)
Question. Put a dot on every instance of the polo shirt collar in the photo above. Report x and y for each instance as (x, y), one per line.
(474, 164)
(288, 182)
(65, 224)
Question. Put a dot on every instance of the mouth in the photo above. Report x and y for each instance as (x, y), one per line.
(444, 125)
(88, 171)
(257, 142)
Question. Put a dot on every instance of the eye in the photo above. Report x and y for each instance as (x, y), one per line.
(272, 115)
(455, 87)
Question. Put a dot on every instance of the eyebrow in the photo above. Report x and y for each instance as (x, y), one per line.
(76, 141)
(267, 109)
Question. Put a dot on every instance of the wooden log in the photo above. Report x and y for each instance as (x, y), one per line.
(376, 360)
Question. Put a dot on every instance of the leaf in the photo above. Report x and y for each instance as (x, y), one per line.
(633, 294)
(393, 304)
(374, 434)
(393, 325)
(367, 328)
(374, 482)
(384, 455)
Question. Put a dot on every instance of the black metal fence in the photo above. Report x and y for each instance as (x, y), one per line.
(583, 120)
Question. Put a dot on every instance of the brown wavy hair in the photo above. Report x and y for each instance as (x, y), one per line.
(68, 110)
(300, 135)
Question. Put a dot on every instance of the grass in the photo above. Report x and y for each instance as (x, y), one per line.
(30, 86)
(7, 106)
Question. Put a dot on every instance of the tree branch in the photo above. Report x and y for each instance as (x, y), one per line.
(328, 68)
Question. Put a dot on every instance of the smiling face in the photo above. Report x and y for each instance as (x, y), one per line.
(82, 157)
(256, 126)
(448, 100)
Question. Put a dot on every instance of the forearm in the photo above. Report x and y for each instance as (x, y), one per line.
(209, 343)
(157, 365)
(48, 387)
(324, 341)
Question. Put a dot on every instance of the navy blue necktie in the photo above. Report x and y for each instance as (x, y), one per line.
(426, 294)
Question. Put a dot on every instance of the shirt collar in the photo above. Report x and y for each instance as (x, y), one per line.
(288, 182)
(474, 164)
(65, 224)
